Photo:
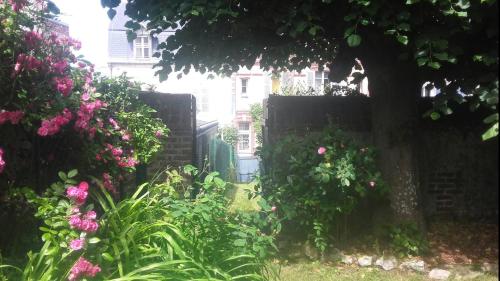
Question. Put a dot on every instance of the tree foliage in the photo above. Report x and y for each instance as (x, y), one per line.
(451, 43)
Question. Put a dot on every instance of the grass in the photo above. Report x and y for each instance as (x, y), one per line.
(315, 271)
(239, 197)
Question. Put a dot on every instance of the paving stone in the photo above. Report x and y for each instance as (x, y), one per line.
(439, 274)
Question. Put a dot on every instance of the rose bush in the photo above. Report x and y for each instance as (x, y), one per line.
(56, 112)
(316, 179)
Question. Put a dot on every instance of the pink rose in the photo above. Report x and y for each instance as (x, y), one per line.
(83, 268)
(159, 134)
(2, 162)
(77, 244)
(90, 215)
(273, 209)
(321, 150)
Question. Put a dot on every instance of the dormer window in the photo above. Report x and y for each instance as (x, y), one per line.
(142, 47)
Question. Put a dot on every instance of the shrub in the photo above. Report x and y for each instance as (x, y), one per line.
(315, 179)
(55, 112)
(155, 234)
(407, 240)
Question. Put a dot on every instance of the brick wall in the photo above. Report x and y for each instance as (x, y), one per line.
(179, 114)
(458, 172)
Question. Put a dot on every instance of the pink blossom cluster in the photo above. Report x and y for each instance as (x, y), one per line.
(2, 162)
(26, 63)
(85, 223)
(83, 268)
(85, 114)
(158, 134)
(108, 184)
(32, 39)
(52, 126)
(59, 67)
(127, 162)
(17, 5)
(77, 244)
(63, 85)
(78, 193)
(117, 155)
(13, 116)
(321, 150)
(114, 124)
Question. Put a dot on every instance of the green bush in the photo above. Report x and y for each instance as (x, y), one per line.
(313, 180)
(407, 240)
(158, 233)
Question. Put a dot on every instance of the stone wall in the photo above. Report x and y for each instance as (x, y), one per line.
(179, 114)
(458, 172)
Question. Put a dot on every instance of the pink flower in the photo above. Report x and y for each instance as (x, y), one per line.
(63, 85)
(32, 38)
(90, 215)
(60, 66)
(77, 244)
(321, 150)
(2, 162)
(114, 124)
(78, 194)
(75, 221)
(126, 137)
(85, 96)
(13, 116)
(159, 134)
(372, 184)
(108, 184)
(83, 268)
(273, 209)
(117, 151)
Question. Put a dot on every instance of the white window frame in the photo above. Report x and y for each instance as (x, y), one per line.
(244, 85)
(324, 80)
(241, 134)
(140, 46)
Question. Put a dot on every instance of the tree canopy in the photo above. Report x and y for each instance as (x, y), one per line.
(451, 43)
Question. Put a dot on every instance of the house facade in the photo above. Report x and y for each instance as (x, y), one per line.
(224, 99)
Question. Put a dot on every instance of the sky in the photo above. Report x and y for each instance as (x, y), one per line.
(88, 22)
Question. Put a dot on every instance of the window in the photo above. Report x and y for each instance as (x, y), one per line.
(243, 142)
(244, 87)
(320, 80)
(243, 136)
(142, 47)
(244, 126)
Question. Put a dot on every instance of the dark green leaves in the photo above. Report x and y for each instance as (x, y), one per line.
(353, 40)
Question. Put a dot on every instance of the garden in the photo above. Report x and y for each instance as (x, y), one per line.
(71, 140)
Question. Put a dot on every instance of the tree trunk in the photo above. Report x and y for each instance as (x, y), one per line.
(394, 93)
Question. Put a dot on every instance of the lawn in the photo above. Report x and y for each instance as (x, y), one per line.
(316, 271)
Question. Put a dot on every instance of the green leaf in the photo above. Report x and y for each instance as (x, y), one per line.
(491, 132)
(240, 242)
(422, 61)
(107, 257)
(353, 40)
(492, 118)
(435, 115)
(62, 176)
(94, 240)
(434, 64)
(72, 173)
(441, 56)
(403, 39)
